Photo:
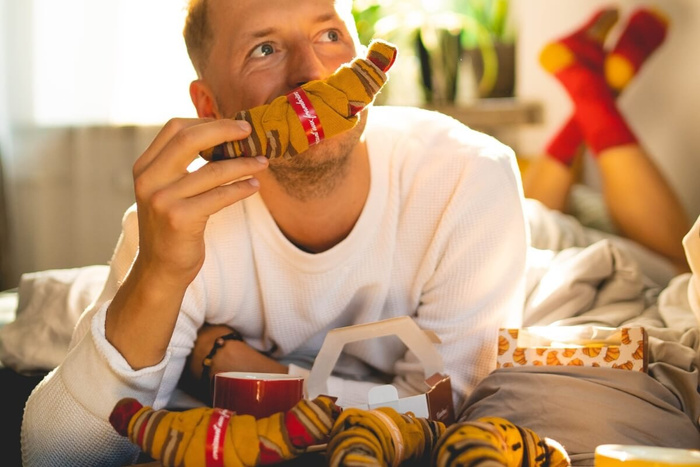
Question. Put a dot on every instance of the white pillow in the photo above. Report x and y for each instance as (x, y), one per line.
(50, 303)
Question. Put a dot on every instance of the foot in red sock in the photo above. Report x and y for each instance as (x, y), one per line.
(586, 42)
(577, 62)
(645, 32)
(585, 45)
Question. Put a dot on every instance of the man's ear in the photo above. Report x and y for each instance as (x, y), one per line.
(203, 99)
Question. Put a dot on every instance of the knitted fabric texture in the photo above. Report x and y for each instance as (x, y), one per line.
(381, 437)
(315, 111)
(496, 441)
(218, 437)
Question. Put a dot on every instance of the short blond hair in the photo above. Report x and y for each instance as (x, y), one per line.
(198, 35)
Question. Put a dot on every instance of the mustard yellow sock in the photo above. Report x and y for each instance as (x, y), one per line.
(313, 112)
(496, 441)
(207, 436)
(381, 437)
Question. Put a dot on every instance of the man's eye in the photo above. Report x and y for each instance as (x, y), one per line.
(331, 36)
(263, 50)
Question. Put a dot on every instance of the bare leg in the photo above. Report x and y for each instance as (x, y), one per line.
(549, 181)
(640, 201)
(642, 204)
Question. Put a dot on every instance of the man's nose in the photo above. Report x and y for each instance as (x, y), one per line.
(304, 65)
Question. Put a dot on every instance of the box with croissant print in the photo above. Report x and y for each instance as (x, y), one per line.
(624, 348)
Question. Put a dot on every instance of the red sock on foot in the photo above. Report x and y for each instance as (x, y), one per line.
(577, 62)
(565, 143)
(587, 43)
(645, 32)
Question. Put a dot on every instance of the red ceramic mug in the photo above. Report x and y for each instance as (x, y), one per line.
(257, 394)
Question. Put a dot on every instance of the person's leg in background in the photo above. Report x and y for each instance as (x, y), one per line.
(549, 178)
(640, 201)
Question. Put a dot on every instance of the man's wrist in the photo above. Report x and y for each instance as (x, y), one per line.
(219, 342)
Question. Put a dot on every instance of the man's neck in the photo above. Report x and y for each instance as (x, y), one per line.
(321, 217)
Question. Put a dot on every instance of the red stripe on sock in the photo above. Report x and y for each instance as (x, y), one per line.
(307, 116)
(216, 434)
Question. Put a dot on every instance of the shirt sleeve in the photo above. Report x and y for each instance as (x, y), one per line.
(66, 416)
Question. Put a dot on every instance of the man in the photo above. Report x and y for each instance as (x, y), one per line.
(408, 213)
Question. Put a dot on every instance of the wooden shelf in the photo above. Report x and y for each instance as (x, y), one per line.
(493, 113)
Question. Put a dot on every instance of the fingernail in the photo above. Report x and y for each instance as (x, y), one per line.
(261, 159)
(243, 125)
(254, 182)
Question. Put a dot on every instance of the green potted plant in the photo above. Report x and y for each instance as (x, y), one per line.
(493, 56)
(442, 34)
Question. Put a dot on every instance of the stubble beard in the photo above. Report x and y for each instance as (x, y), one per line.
(315, 173)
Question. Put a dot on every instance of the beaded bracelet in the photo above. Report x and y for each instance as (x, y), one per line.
(218, 343)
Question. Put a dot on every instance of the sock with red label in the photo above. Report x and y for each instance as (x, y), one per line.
(211, 436)
(315, 111)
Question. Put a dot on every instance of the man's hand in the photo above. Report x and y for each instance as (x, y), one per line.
(174, 206)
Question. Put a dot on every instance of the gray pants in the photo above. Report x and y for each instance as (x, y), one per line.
(583, 407)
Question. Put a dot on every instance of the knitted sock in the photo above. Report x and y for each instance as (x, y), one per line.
(565, 144)
(577, 62)
(586, 42)
(496, 441)
(381, 437)
(645, 31)
(206, 436)
(313, 112)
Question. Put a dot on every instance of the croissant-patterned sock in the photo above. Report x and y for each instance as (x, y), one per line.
(496, 441)
(219, 437)
(313, 112)
(644, 33)
(381, 437)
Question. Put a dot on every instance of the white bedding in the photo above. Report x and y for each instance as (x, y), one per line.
(43, 313)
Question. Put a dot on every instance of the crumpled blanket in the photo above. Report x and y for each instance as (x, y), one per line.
(600, 285)
(48, 308)
(584, 407)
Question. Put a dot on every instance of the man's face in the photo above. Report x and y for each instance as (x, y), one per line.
(264, 49)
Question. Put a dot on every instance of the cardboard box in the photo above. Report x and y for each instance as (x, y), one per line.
(624, 348)
(435, 403)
